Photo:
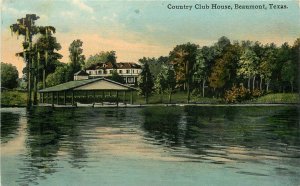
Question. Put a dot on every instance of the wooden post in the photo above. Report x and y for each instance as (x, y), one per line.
(57, 98)
(52, 99)
(131, 97)
(65, 97)
(86, 96)
(124, 97)
(72, 97)
(117, 99)
(94, 94)
(103, 97)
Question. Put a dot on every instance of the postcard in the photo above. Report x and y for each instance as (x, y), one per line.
(150, 92)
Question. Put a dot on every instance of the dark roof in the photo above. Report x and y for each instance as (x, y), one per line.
(75, 84)
(109, 65)
(81, 73)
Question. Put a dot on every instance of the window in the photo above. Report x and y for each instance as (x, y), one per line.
(110, 71)
(130, 80)
(127, 71)
(120, 71)
(133, 71)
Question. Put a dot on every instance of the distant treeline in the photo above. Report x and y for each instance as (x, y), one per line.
(226, 66)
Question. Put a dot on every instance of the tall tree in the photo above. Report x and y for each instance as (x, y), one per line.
(166, 81)
(266, 65)
(9, 76)
(202, 67)
(145, 83)
(47, 47)
(289, 73)
(76, 56)
(247, 68)
(183, 57)
(26, 27)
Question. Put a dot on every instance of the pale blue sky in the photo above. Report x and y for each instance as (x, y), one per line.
(148, 28)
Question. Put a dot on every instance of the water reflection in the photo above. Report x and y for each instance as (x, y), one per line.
(79, 138)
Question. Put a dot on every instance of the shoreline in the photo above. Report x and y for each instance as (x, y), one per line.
(158, 105)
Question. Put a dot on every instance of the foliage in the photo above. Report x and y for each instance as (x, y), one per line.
(116, 77)
(237, 94)
(155, 64)
(183, 58)
(76, 56)
(145, 82)
(9, 76)
(59, 76)
(13, 98)
(289, 72)
(165, 82)
(101, 58)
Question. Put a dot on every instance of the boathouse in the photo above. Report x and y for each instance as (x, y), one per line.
(94, 91)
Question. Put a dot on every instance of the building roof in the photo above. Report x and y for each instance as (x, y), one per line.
(82, 84)
(81, 73)
(109, 65)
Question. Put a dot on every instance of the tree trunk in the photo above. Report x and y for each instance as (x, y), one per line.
(249, 83)
(203, 87)
(292, 86)
(188, 92)
(268, 86)
(35, 90)
(253, 83)
(170, 97)
(146, 98)
(260, 84)
(44, 78)
(29, 103)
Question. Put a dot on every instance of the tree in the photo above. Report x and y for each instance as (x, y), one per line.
(155, 64)
(247, 68)
(183, 58)
(101, 58)
(9, 76)
(201, 67)
(223, 74)
(166, 81)
(289, 73)
(76, 56)
(59, 76)
(116, 77)
(266, 65)
(145, 83)
(46, 46)
(26, 27)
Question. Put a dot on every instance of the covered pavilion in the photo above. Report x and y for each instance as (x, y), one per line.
(66, 93)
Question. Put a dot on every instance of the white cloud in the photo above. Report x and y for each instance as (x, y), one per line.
(12, 11)
(83, 6)
(68, 14)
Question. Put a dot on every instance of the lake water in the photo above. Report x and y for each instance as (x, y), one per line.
(151, 146)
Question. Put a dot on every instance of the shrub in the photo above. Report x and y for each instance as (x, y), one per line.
(237, 94)
(257, 93)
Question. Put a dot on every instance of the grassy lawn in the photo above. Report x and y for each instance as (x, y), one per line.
(13, 98)
(278, 98)
(16, 98)
(178, 97)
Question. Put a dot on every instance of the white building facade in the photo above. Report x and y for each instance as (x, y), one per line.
(129, 71)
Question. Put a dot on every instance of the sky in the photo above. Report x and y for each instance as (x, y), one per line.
(136, 29)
